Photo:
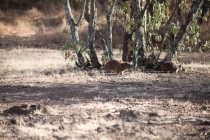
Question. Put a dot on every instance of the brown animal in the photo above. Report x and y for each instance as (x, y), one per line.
(115, 65)
(166, 66)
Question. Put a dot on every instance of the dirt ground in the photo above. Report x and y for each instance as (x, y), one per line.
(43, 98)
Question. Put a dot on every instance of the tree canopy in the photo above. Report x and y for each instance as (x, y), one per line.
(157, 26)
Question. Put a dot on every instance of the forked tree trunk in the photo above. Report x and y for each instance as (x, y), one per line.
(104, 46)
(195, 7)
(74, 30)
(91, 34)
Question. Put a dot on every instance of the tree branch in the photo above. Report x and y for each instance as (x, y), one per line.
(82, 13)
(196, 5)
(87, 11)
(177, 6)
(67, 8)
(145, 7)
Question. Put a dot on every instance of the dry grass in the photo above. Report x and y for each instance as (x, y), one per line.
(89, 105)
(20, 26)
(23, 59)
(32, 64)
(99, 120)
(33, 24)
(81, 104)
(27, 65)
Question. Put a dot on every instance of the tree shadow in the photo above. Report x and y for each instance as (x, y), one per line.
(104, 91)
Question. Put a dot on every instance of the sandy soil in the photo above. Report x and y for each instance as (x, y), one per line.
(43, 98)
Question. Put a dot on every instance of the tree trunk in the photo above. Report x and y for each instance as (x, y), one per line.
(104, 46)
(105, 55)
(74, 30)
(91, 35)
(108, 18)
(128, 43)
(138, 49)
(185, 23)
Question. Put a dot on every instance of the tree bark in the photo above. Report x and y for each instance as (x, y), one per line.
(108, 18)
(128, 44)
(103, 43)
(87, 11)
(139, 43)
(91, 34)
(185, 23)
(105, 56)
(74, 30)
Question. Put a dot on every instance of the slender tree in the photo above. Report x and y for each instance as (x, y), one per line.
(98, 33)
(128, 42)
(109, 25)
(195, 7)
(138, 50)
(164, 32)
(74, 30)
(91, 34)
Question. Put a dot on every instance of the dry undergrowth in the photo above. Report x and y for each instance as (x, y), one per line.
(45, 97)
(42, 96)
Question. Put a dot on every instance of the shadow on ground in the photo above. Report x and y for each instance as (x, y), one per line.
(165, 107)
(105, 91)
